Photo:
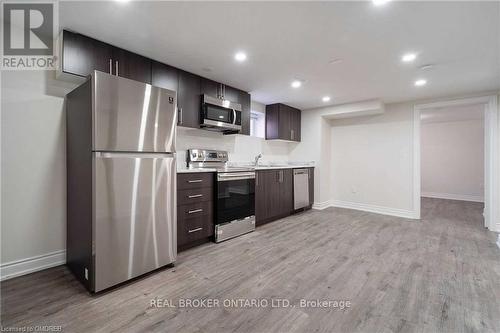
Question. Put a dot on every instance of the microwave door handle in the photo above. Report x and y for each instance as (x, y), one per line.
(234, 116)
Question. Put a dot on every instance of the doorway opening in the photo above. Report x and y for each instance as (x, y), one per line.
(456, 153)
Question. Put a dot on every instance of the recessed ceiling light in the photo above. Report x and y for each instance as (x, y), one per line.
(240, 56)
(326, 99)
(426, 67)
(296, 83)
(409, 57)
(380, 2)
(335, 61)
(420, 83)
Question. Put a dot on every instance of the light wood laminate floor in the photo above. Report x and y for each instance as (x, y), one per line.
(440, 274)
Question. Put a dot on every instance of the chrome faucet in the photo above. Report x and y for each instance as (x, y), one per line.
(257, 159)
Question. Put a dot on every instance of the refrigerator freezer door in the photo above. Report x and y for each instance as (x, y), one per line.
(132, 116)
(135, 229)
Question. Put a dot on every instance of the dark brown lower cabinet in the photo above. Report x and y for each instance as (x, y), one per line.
(195, 209)
(273, 195)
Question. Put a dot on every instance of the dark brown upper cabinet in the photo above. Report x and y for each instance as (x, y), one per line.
(245, 101)
(210, 88)
(189, 100)
(81, 55)
(131, 66)
(282, 122)
(231, 94)
(164, 76)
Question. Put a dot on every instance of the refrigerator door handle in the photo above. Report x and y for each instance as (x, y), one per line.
(133, 155)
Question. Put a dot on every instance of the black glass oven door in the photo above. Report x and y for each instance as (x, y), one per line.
(235, 199)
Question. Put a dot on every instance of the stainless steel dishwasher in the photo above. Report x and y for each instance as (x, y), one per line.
(300, 188)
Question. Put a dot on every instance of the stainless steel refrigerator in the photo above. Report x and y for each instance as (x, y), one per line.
(121, 180)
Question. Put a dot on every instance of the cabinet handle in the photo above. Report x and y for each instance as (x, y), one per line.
(110, 66)
(195, 211)
(195, 230)
(281, 176)
(256, 179)
(309, 173)
(292, 134)
(195, 181)
(195, 196)
(180, 115)
(116, 67)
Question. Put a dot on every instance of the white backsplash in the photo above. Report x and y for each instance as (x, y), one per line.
(241, 148)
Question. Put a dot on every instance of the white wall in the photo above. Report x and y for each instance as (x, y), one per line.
(314, 146)
(364, 162)
(241, 148)
(33, 218)
(316, 142)
(452, 159)
(371, 160)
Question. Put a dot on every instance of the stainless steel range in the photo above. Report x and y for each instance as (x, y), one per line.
(235, 211)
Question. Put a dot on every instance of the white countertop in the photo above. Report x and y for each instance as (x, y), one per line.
(289, 166)
(263, 167)
(186, 170)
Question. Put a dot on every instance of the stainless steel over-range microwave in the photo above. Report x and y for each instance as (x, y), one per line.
(220, 115)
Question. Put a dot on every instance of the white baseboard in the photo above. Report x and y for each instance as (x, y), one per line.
(322, 205)
(449, 196)
(25, 266)
(373, 209)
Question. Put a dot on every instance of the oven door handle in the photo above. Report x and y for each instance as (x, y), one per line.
(234, 117)
(222, 177)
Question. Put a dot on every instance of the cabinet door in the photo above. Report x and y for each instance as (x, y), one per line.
(311, 185)
(266, 196)
(231, 94)
(131, 66)
(245, 100)
(284, 122)
(209, 87)
(189, 100)
(164, 76)
(272, 121)
(82, 55)
(285, 192)
(295, 115)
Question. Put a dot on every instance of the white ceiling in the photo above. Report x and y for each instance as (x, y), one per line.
(287, 40)
(455, 113)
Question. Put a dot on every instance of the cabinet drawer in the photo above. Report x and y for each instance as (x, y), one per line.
(187, 181)
(194, 229)
(193, 210)
(194, 195)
